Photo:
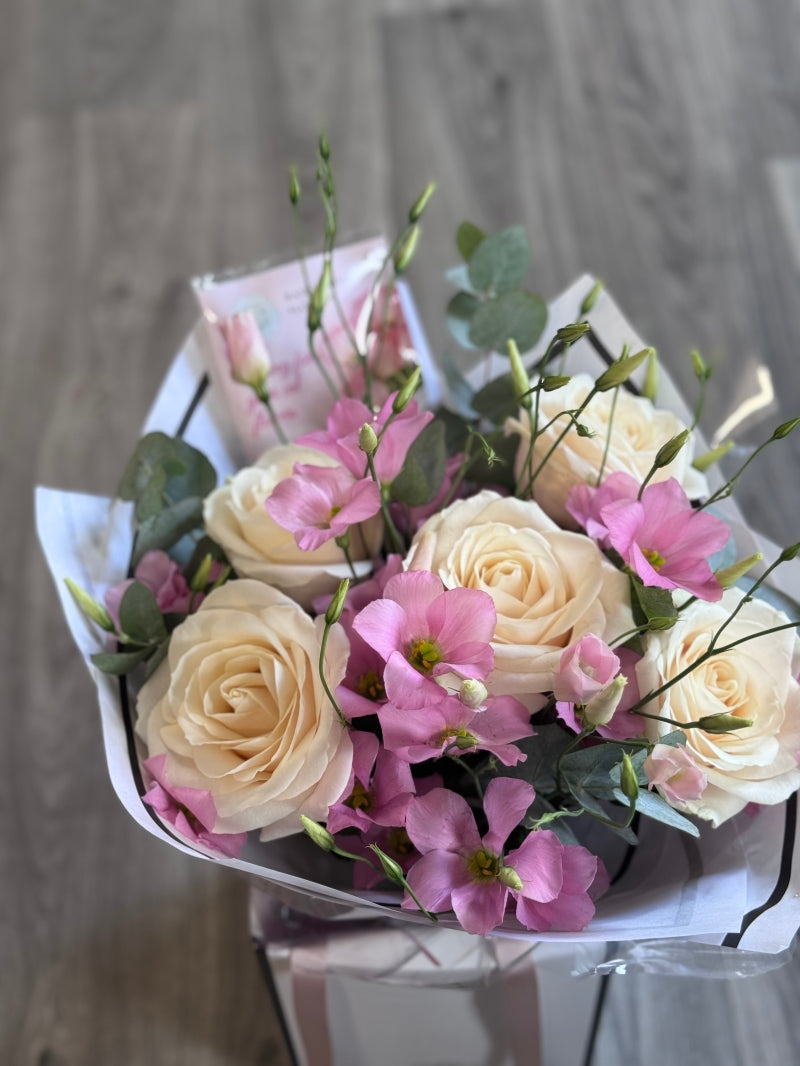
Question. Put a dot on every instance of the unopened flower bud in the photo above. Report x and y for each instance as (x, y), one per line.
(336, 606)
(628, 781)
(324, 147)
(419, 205)
(318, 833)
(591, 298)
(785, 428)
(509, 877)
(707, 459)
(789, 553)
(202, 573)
(319, 297)
(473, 693)
(90, 607)
(583, 430)
(405, 253)
(392, 868)
(619, 372)
(294, 186)
(247, 354)
(403, 398)
(731, 574)
(668, 452)
(722, 723)
(650, 386)
(573, 332)
(551, 382)
(701, 370)
(519, 376)
(600, 708)
(367, 439)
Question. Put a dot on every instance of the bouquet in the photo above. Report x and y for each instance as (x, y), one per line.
(473, 662)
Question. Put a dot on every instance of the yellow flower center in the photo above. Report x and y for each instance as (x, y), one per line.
(654, 558)
(483, 865)
(458, 736)
(360, 799)
(370, 686)
(399, 842)
(424, 655)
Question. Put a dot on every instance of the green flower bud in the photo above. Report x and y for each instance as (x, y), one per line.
(202, 573)
(573, 332)
(336, 606)
(319, 297)
(509, 877)
(591, 298)
(701, 370)
(419, 205)
(785, 429)
(650, 386)
(551, 382)
(707, 459)
(519, 376)
(405, 253)
(403, 398)
(318, 833)
(294, 186)
(722, 723)
(600, 708)
(789, 553)
(619, 372)
(668, 452)
(367, 439)
(324, 147)
(627, 780)
(392, 868)
(583, 431)
(729, 575)
(90, 607)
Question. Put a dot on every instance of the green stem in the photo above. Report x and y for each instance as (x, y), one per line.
(328, 693)
(608, 436)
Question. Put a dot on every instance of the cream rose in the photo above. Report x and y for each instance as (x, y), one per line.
(638, 431)
(238, 708)
(236, 518)
(549, 586)
(756, 680)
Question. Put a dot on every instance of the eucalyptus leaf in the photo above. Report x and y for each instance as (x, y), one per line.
(162, 471)
(500, 262)
(468, 237)
(656, 807)
(542, 752)
(140, 617)
(156, 659)
(460, 310)
(456, 430)
(118, 663)
(497, 399)
(518, 316)
(162, 530)
(424, 467)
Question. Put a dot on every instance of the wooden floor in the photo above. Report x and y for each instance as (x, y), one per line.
(657, 145)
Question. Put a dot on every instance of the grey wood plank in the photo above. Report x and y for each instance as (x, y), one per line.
(142, 144)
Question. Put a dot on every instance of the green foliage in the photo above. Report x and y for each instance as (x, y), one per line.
(497, 399)
(652, 606)
(500, 262)
(164, 471)
(515, 315)
(460, 310)
(468, 237)
(140, 617)
(424, 467)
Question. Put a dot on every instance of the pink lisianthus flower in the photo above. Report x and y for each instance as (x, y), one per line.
(462, 871)
(340, 438)
(379, 790)
(318, 503)
(165, 580)
(623, 724)
(585, 668)
(419, 733)
(247, 354)
(673, 771)
(422, 630)
(660, 536)
(191, 810)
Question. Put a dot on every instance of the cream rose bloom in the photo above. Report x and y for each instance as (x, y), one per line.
(238, 708)
(549, 586)
(756, 680)
(638, 431)
(236, 518)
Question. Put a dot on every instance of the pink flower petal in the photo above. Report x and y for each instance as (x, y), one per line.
(480, 907)
(433, 878)
(504, 803)
(539, 862)
(441, 820)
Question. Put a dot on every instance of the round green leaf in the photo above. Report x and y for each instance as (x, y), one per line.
(459, 315)
(518, 316)
(468, 237)
(500, 262)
